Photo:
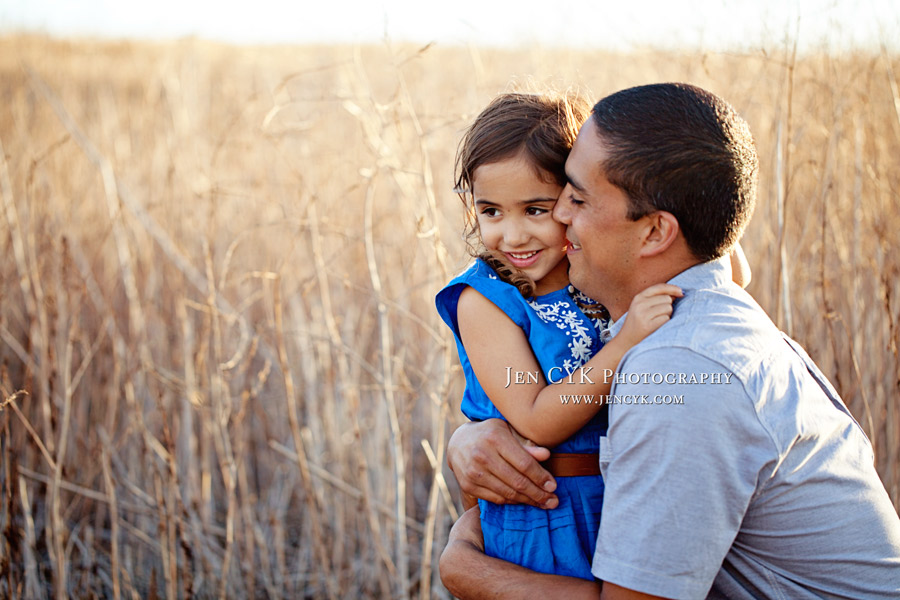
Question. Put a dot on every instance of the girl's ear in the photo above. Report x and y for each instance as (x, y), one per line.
(660, 233)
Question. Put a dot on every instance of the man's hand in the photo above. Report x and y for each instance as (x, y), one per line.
(492, 462)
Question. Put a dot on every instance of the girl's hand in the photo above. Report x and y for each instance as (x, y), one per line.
(648, 311)
(740, 268)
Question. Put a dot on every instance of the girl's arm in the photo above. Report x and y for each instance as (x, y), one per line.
(498, 350)
(740, 268)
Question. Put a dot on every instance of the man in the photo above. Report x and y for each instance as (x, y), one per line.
(732, 468)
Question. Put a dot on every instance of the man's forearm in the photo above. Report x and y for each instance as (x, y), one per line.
(469, 574)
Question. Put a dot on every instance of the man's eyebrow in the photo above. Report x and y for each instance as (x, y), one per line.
(578, 187)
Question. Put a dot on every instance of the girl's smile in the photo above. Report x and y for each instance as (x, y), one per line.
(523, 260)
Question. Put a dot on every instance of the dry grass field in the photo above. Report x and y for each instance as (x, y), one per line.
(221, 370)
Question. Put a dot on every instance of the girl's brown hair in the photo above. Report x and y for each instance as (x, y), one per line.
(542, 126)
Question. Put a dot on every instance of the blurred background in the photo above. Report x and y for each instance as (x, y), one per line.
(223, 227)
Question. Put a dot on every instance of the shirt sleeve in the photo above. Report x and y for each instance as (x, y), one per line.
(685, 451)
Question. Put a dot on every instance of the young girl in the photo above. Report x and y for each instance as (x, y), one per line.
(520, 326)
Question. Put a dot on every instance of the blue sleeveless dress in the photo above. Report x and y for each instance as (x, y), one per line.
(559, 541)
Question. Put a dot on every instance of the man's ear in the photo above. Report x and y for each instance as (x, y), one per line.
(660, 233)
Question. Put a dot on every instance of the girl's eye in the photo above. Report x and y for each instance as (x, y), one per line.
(490, 211)
(536, 211)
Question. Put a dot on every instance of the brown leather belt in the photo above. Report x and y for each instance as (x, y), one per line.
(561, 464)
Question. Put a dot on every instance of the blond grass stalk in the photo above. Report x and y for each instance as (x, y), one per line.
(113, 515)
(162, 544)
(31, 293)
(228, 478)
(278, 537)
(252, 532)
(222, 414)
(856, 257)
(782, 178)
(102, 307)
(269, 581)
(439, 404)
(115, 197)
(17, 348)
(172, 501)
(892, 420)
(438, 485)
(892, 81)
(351, 393)
(110, 186)
(347, 489)
(45, 452)
(15, 230)
(77, 489)
(136, 331)
(7, 491)
(58, 527)
(309, 488)
(39, 336)
(828, 233)
(433, 232)
(402, 553)
(33, 587)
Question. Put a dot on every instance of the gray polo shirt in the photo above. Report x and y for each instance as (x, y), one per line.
(732, 467)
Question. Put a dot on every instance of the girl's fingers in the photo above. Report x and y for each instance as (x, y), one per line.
(654, 304)
(666, 289)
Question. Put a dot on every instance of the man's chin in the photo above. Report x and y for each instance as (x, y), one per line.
(577, 279)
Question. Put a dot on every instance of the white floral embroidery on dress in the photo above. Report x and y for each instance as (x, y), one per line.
(563, 315)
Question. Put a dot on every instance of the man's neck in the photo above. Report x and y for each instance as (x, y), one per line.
(651, 272)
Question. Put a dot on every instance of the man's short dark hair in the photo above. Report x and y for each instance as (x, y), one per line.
(678, 148)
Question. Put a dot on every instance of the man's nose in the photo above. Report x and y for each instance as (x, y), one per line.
(561, 209)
